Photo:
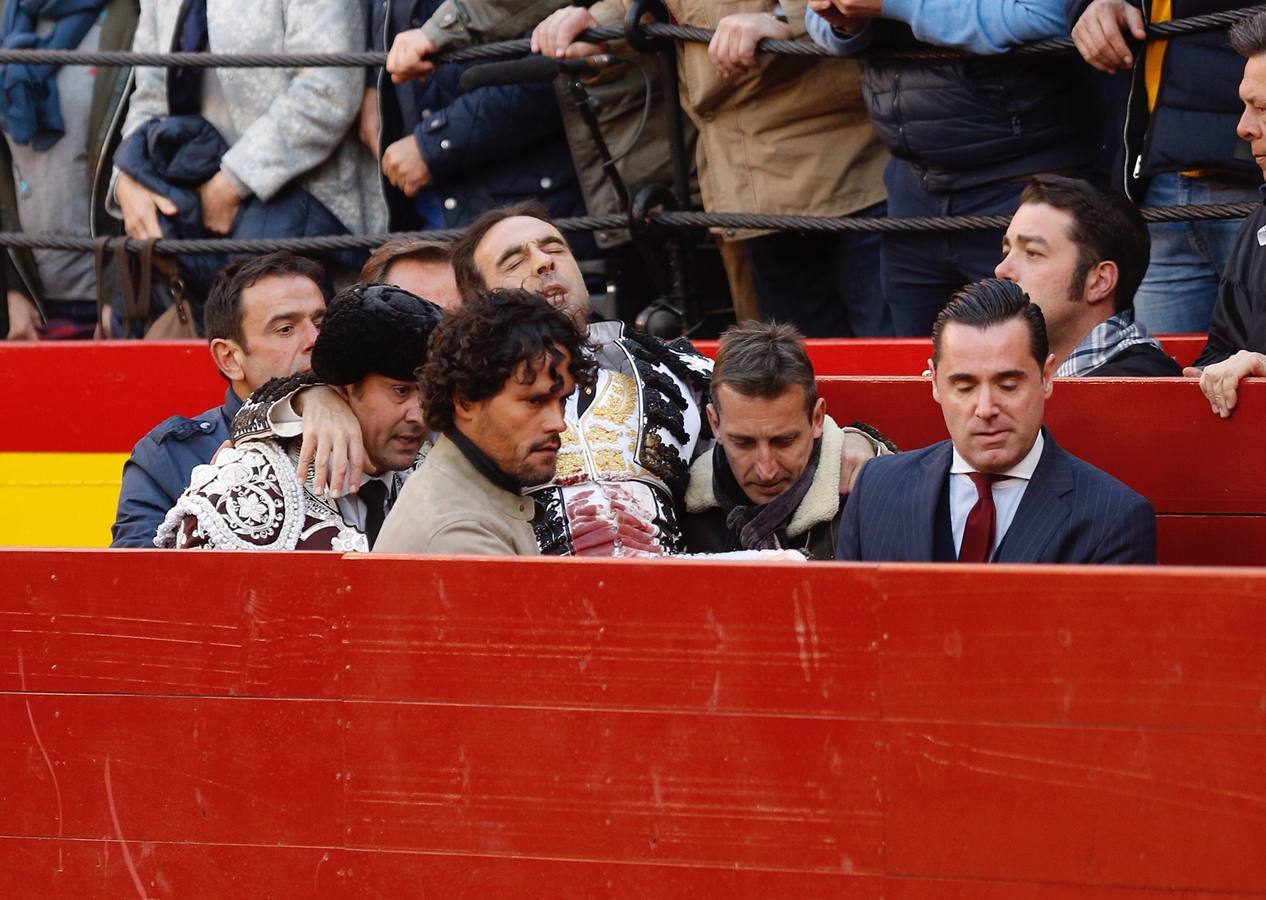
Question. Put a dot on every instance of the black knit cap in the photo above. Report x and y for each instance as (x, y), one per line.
(373, 329)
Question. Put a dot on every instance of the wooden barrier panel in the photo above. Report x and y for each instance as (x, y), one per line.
(103, 396)
(367, 726)
(909, 356)
(64, 442)
(1155, 434)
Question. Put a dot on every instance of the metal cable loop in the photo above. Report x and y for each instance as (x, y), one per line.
(748, 221)
(521, 46)
(754, 221)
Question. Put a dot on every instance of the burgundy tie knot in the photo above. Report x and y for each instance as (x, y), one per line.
(977, 545)
(984, 483)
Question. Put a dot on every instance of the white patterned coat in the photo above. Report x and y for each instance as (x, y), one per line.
(292, 122)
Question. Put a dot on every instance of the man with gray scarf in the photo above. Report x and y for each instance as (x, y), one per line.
(772, 480)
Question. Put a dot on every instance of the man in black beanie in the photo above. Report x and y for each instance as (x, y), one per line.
(251, 497)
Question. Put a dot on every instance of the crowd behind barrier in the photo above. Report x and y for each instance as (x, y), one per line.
(438, 208)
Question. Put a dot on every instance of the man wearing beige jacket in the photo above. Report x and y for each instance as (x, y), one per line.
(499, 372)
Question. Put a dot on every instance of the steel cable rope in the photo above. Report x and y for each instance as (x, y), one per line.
(675, 219)
(522, 46)
(600, 223)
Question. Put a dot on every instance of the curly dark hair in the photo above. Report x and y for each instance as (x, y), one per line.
(474, 351)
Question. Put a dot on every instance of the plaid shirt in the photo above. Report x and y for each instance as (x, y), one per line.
(1105, 341)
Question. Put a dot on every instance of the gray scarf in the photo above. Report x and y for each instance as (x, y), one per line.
(752, 526)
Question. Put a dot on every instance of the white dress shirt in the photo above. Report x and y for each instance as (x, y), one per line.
(1008, 491)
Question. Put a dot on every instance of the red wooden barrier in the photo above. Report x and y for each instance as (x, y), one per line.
(326, 726)
(102, 397)
(909, 356)
(1157, 435)
(96, 397)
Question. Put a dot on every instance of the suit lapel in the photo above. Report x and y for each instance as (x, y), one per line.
(926, 495)
(1043, 510)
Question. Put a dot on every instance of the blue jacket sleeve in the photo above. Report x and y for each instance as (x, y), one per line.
(487, 125)
(985, 26)
(1133, 539)
(146, 495)
(849, 546)
(837, 45)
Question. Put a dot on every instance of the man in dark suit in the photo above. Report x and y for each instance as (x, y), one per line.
(1000, 489)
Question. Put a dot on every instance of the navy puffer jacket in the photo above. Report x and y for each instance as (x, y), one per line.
(485, 148)
(962, 124)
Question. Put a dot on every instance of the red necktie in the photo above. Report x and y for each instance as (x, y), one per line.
(978, 535)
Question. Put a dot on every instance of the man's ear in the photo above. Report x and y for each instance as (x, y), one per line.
(713, 419)
(1048, 375)
(936, 395)
(463, 409)
(1101, 282)
(818, 417)
(227, 354)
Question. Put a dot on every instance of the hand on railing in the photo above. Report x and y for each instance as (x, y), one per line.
(1100, 34)
(733, 46)
(409, 58)
(556, 35)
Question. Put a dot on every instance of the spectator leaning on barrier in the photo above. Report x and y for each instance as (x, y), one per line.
(780, 135)
(1237, 338)
(421, 267)
(286, 130)
(262, 318)
(500, 373)
(1179, 146)
(1000, 489)
(772, 480)
(1080, 253)
(962, 133)
(252, 495)
(449, 155)
(54, 161)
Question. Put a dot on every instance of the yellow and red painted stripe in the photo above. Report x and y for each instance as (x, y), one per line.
(69, 416)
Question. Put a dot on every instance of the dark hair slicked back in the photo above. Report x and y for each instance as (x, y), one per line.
(993, 302)
(469, 280)
(764, 359)
(222, 314)
(1106, 227)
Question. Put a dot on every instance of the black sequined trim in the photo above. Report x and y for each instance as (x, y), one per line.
(672, 354)
(251, 420)
(877, 435)
(550, 523)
